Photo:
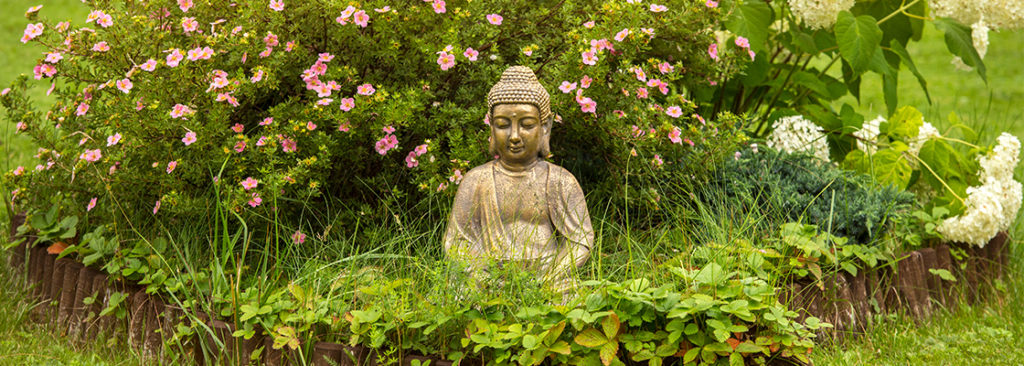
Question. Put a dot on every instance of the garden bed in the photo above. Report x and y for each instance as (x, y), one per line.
(848, 302)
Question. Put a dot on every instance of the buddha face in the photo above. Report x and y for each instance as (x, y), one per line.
(517, 133)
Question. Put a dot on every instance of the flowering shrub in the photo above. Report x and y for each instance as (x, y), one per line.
(981, 198)
(161, 101)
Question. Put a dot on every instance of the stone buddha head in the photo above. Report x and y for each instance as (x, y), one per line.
(520, 113)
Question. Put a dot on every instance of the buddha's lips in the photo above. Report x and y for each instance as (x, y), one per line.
(515, 149)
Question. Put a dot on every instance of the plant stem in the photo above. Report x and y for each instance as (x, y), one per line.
(898, 11)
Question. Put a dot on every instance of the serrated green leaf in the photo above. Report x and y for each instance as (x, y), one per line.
(942, 273)
(691, 355)
(609, 352)
(610, 325)
(900, 50)
(959, 42)
(591, 338)
(859, 38)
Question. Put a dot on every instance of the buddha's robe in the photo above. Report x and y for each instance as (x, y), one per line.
(535, 217)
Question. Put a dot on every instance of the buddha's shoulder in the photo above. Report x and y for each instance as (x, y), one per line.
(480, 170)
(557, 170)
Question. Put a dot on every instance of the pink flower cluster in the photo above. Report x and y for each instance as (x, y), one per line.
(743, 43)
(91, 155)
(388, 142)
(43, 70)
(359, 17)
(410, 160)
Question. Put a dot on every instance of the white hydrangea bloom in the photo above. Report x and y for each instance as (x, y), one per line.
(795, 134)
(993, 206)
(924, 133)
(867, 135)
(979, 35)
(819, 14)
(999, 14)
(980, 221)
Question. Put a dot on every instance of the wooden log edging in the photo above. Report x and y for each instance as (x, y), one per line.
(849, 302)
(908, 285)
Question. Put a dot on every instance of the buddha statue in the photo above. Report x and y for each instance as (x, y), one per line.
(519, 210)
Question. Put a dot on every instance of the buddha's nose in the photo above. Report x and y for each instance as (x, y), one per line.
(514, 137)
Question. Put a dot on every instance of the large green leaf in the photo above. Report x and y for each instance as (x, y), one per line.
(887, 166)
(859, 39)
(904, 124)
(751, 19)
(959, 42)
(591, 338)
(944, 164)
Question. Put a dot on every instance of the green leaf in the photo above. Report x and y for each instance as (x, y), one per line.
(608, 353)
(530, 341)
(554, 332)
(751, 19)
(735, 359)
(944, 165)
(960, 44)
(904, 124)
(942, 273)
(591, 338)
(691, 355)
(560, 347)
(812, 82)
(859, 39)
(749, 347)
(889, 91)
(887, 166)
(610, 325)
(712, 274)
(898, 49)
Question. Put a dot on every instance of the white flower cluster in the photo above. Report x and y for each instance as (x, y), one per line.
(867, 135)
(993, 206)
(998, 14)
(794, 133)
(819, 14)
(924, 133)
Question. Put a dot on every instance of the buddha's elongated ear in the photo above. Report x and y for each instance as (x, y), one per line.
(492, 147)
(545, 140)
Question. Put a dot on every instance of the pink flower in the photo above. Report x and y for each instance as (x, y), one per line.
(150, 65)
(471, 54)
(91, 155)
(742, 42)
(156, 207)
(82, 109)
(189, 24)
(438, 6)
(344, 126)
(190, 137)
(240, 146)
(674, 136)
(494, 19)
(589, 24)
(619, 113)
(699, 118)
(270, 39)
(54, 57)
(385, 144)
(588, 105)
(567, 87)
(657, 160)
(621, 35)
(184, 5)
(298, 237)
(711, 4)
(32, 10)
(420, 150)
(180, 110)
(174, 57)
(388, 129)
(262, 141)
(5, 91)
(361, 19)
(665, 68)
(255, 200)
(113, 139)
(641, 93)
(589, 58)
(347, 104)
(385, 9)
(101, 47)
(310, 126)
(713, 51)
(348, 12)
(456, 177)
(528, 51)
(276, 5)
(446, 60)
(250, 183)
(32, 31)
(410, 160)
(171, 165)
(238, 128)
(289, 145)
(365, 89)
(267, 121)
(257, 76)
(751, 53)
(585, 81)
(43, 69)
(325, 101)
(325, 57)
(105, 21)
(21, 126)
(124, 85)
(91, 205)
(21, 170)
(655, 8)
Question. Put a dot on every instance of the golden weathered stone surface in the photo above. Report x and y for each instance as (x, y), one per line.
(519, 209)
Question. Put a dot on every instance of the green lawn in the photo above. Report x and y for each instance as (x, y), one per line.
(981, 334)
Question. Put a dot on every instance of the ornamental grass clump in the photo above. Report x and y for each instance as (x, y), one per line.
(159, 102)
